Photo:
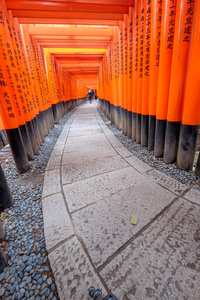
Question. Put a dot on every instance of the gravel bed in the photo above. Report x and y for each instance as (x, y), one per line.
(185, 177)
(28, 273)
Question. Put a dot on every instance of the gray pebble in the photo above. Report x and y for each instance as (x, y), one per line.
(28, 280)
(2, 276)
(27, 294)
(12, 290)
(28, 269)
(22, 285)
(6, 275)
(22, 267)
(12, 279)
(17, 288)
(2, 291)
(49, 281)
(43, 286)
(47, 293)
(50, 296)
(25, 258)
(33, 287)
(43, 291)
(36, 277)
(40, 281)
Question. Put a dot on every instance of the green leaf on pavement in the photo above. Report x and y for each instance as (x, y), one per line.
(133, 219)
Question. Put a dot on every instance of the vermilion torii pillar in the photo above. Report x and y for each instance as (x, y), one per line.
(166, 49)
(191, 107)
(156, 18)
(182, 36)
(140, 68)
(146, 74)
(135, 70)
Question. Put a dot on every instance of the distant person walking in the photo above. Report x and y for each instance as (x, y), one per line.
(90, 95)
(95, 94)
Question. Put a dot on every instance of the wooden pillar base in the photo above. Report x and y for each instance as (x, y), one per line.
(197, 170)
(18, 150)
(125, 122)
(27, 142)
(144, 130)
(138, 128)
(129, 124)
(134, 117)
(151, 132)
(6, 199)
(187, 146)
(55, 113)
(159, 138)
(171, 141)
(33, 138)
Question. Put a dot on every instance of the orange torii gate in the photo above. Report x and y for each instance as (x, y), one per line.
(141, 55)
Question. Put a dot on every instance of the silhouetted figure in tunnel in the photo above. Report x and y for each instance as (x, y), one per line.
(90, 95)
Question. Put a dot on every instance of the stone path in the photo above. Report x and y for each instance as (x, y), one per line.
(92, 185)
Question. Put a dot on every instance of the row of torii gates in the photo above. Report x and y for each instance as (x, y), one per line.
(142, 56)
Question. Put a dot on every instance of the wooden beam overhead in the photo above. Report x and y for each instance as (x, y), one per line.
(71, 38)
(75, 31)
(68, 21)
(76, 51)
(73, 45)
(66, 15)
(80, 2)
(64, 7)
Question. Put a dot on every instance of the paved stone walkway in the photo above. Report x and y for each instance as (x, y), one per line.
(92, 185)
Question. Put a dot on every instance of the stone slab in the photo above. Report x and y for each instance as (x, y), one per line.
(87, 115)
(84, 192)
(82, 123)
(53, 163)
(113, 140)
(57, 224)
(51, 182)
(71, 147)
(84, 132)
(106, 130)
(163, 262)
(58, 150)
(66, 127)
(103, 127)
(87, 138)
(111, 218)
(193, 195)
(84, 127)
(138, 164)
(173, 185)
(87, 154)
(83, 170)
(123, 151)
(62, 138)
(73, 272)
